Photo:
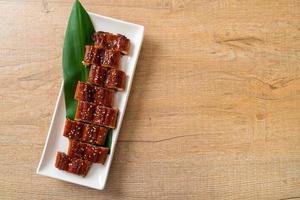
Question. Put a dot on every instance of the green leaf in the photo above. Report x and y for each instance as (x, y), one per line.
(108, 138)
(78, 34)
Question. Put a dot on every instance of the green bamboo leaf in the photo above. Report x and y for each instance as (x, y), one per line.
(78, 34)
(108, 140)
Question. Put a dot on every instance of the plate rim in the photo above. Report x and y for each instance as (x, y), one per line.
(100, 187)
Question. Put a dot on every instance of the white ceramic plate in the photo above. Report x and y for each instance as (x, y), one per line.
(97, 175)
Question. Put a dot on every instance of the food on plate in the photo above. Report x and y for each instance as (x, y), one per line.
(105, 116)
(91, 55)
(71, 164)
(108, 78)
(97, 75)
(84, 132)
(110, 41)
(96, 114)
(94, 94)
(99, 56)
(110, 58)
(88, 152)
(116, 79)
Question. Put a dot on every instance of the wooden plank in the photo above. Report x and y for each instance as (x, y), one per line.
(214, 110)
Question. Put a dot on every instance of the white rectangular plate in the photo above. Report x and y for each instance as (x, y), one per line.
(97, 176)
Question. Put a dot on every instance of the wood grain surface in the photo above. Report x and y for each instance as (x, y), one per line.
(214, 111)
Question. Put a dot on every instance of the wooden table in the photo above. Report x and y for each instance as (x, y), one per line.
(214, 111)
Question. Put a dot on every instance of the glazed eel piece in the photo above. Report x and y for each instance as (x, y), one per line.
(95, 55)
(96, 114)
(84, 132)
(94, 94)
(116, 42)
(72, 164)
(87, 152)
(107, 77)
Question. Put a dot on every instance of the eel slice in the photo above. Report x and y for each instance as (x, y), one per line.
(96, 114)
(116, 42)
(71, 164)
(94, 94)
(87, 152)
(83, 132)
